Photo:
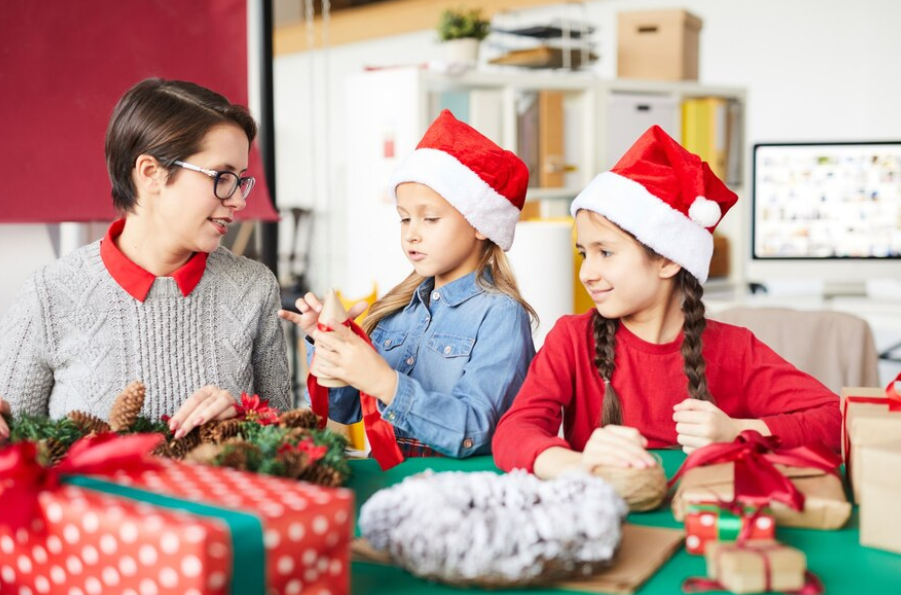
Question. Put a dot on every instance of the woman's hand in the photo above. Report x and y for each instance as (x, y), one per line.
(343, 355)
(4, 429)
(310, 306)
(207, 404)
(699, 423)
(616, 446)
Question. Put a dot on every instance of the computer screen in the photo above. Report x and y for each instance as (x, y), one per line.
(827, 201)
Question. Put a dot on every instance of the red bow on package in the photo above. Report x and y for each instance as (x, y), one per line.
(23, 478)
(755, 456)
(379, 432)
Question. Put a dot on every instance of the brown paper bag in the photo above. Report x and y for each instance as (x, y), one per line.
(642, 551)
(825, 505)
(865, 424)
(742, 568)
(880, 489)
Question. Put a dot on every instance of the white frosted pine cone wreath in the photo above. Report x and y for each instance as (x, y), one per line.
(496, 530)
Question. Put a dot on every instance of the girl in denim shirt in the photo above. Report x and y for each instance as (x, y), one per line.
(453, 340)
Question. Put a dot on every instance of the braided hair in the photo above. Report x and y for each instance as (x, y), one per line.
(604, 331)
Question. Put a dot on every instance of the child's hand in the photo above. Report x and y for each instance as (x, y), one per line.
(699, 423)
(343, 355)
(310, 307)
(616, 446)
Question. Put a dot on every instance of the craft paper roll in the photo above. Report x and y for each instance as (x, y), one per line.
(542, 258)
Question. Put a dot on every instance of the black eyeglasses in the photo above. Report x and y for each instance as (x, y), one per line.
(224, 182)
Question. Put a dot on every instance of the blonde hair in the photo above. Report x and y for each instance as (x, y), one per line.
(493, 261)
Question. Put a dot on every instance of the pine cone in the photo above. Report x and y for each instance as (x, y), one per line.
(299, 418)
(217, 432)
(237, 454)
(127, 406)
(295, 435)
(295, 462)
(87, 423)
(53, 450)
(322, 475)
(204, 454)
(179, 448)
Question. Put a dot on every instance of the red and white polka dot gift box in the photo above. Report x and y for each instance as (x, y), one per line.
(179, 528)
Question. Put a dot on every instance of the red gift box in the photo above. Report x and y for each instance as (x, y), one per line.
(180, 528)
(718, 521)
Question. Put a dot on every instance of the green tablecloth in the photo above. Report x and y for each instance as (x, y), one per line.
(835, 556)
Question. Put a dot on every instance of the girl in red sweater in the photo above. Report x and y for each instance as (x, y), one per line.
(645, 369)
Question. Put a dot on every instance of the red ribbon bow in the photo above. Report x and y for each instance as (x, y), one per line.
(23, 478)
(755, 456)
(379, 432)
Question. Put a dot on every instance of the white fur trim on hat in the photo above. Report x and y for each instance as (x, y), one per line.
(705, 213)
(490, 212)
(654, 223)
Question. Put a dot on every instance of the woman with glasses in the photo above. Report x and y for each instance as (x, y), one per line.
(158, 299)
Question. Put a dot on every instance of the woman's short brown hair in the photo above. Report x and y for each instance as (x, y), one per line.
(167, 120)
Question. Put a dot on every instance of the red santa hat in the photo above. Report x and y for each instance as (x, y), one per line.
(481, 180)
(666, 197)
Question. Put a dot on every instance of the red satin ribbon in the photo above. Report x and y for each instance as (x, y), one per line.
(379, 432)
(756, 477)
(23, 478)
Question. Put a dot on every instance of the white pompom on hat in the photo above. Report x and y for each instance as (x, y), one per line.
(486, 183)
(666, 197)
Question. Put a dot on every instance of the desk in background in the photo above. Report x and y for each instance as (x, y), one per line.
(835, 556)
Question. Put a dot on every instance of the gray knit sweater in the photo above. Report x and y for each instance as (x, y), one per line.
(74, 338)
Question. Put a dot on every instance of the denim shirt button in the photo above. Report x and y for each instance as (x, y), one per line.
(467, 443)
(410, 361)
(436, 295)
(387, 342)
(391, 416)
(447, 349)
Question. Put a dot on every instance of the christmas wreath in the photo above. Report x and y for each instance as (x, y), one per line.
(258, 439)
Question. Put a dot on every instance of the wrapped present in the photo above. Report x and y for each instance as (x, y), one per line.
(801, 485)
(755, 567)
(870, 416)
(725, 521)
(109, 520)
(880, 489)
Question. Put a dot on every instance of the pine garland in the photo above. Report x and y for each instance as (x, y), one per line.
(258, 440)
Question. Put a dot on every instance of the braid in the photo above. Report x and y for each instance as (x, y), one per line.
(692, 329)
(605, 352)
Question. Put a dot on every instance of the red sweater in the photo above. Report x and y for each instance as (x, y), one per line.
(746, 378)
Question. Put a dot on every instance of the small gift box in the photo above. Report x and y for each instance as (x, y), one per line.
(800, 485)
(880, 490)
(870, 416)
(724, 521)
(756, 566)
(109, 520)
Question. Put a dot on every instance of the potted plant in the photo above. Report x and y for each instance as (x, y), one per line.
(461, 30)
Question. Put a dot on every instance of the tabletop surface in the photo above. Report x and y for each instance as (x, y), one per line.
(843, 565)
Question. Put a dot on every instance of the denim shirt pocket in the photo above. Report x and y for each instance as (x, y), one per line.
(448, 345)
(387, 340)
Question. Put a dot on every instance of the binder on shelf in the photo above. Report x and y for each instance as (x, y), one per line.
(551, 152)
(705, 125)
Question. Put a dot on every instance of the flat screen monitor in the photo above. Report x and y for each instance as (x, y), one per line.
(826, 212)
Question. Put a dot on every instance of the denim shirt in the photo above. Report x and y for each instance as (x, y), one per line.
(461, 353)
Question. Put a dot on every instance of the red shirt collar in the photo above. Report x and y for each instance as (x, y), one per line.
(135, 280)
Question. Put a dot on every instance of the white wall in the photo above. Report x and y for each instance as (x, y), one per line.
(814, 70)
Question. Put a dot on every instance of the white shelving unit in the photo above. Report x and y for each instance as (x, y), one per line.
(389, 110)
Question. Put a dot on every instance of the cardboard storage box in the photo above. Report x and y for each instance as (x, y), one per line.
(658, 45)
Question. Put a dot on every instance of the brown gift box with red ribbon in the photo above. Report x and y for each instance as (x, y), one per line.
(800, 485)
(756, 566)
(870, 417)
